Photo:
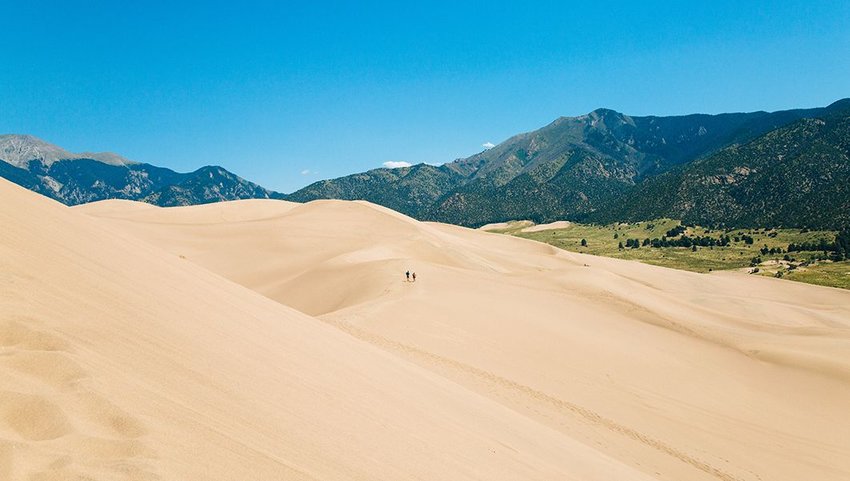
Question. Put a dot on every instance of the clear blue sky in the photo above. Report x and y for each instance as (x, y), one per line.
(270, 90)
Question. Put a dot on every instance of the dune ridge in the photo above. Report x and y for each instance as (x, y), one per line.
(675, 374)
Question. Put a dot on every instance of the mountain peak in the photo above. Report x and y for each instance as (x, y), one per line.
(839, 105)
(602, 112)
(20, 149)
(608, 117)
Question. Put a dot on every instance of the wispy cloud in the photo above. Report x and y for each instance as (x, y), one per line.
(488, 145)
(307, 172)
(394, 164)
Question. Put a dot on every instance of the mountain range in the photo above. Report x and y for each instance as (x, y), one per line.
(797, 176)
(87, 177)
(789, 168)
(781, 168)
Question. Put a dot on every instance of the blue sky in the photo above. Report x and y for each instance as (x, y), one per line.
(286, 94)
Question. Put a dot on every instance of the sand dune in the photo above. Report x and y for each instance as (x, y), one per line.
(119, 360)
(673, 375)
(506, 225)
(560, 224)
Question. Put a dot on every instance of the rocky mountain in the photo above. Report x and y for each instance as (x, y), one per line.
(786, 168)
(19, 150)
(205, 185)
(79, 178)
(409, 190)
(797, 175)
(569, 169)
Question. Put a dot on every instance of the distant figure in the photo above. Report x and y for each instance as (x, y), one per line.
(414, 277)
(407, 274)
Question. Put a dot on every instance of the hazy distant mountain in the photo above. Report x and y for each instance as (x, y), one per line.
(569, 169)
(78, 178)
(19, 150)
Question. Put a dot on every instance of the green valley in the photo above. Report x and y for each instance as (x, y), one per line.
(759, 251)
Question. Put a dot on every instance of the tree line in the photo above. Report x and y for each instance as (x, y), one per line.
(838, 250)
(683, 241)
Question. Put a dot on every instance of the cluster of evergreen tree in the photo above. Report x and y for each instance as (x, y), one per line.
(683, 241)
(632, 243)
(688, 241)
(821, 245)
(838, 250)
(744, 237)
(678, 230)
(842, 245)
(772, 251)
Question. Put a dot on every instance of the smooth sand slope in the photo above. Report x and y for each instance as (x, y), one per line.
(528, 226)
(680, 376)
(120, 360)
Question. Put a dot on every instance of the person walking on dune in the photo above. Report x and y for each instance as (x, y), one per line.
(407, 274)
(414, 277)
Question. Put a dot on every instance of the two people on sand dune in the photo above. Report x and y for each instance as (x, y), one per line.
(408, 275)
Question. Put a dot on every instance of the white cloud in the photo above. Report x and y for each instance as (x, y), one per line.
(307, 172)
(393, 164)
(488, 145)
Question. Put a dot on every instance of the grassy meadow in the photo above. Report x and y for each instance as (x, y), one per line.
(606, 240)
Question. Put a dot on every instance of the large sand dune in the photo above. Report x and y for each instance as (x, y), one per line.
(267, 340)
(679, 375)
(119, 360)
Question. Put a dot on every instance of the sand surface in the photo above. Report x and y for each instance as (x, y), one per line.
(506, 225)
(525, 226)
(268, 340)
(559, 224)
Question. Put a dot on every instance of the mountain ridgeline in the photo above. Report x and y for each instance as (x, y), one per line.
(781, 169)
(787, 168)
(80, 178)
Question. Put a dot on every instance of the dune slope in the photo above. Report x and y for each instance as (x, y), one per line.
(675, 374)
(119, 360)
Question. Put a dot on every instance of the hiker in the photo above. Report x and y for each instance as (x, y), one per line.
(407, 274)
(414, 277)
